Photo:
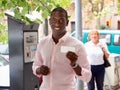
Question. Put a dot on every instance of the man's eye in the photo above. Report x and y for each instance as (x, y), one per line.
(57, 21)
(61, 20)
(54, 20)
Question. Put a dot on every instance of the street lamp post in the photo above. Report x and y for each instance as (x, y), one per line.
(78, 28)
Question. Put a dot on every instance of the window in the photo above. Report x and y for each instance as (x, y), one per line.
(117, 40)
(105, 38)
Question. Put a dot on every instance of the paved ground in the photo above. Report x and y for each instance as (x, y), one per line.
(106, 87)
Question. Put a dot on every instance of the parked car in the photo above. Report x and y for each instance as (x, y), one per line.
(4, 49)
(4, 71)
(111, 37)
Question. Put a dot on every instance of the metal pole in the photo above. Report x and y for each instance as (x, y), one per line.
(78, 28)
(46, 27)
(80, 85)
(78, 19)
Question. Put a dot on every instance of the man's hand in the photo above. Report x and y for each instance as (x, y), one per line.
(44, 70)
(72, 57)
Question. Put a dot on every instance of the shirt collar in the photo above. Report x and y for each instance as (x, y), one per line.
(63, 39)
(94, 44)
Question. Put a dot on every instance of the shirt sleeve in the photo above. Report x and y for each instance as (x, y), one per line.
(84, 64)
(37, 61)
(105, 45)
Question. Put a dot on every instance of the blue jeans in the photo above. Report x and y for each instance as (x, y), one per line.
(98, 73)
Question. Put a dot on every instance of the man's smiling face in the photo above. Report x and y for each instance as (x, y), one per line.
(58, 22)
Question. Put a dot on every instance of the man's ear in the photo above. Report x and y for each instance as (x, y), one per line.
(49, 20)
(67, 22)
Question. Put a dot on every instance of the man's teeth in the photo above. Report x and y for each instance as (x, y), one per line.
(57, 28)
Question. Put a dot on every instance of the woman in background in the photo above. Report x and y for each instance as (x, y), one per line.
(95, 50)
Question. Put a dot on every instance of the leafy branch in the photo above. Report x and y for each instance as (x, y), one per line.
(27, 11)
(22, 8)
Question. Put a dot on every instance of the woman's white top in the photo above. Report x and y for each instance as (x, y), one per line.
(95, 53)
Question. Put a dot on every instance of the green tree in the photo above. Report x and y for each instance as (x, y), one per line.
(95, 9)
(3, 34)
(118, 6)
(23, 7)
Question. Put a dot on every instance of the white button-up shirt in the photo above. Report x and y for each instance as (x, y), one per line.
(62, 75)
(95, 53)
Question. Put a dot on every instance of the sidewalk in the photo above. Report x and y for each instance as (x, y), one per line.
(106, 87)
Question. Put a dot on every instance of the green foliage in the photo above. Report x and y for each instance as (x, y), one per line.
(23, 7)
(104, 12)
(118, 6)
(3, 34)
(118, 1)
(103, 27)
(118, 12)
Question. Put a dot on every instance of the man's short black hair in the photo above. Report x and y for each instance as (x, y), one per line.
(60, 9)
